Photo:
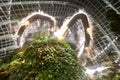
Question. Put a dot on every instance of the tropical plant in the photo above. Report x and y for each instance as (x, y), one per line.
(45, 59)
(113, 72)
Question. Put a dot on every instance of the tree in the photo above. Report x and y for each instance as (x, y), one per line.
(45, 59)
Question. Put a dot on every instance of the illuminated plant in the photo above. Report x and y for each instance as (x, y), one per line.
(45, 59)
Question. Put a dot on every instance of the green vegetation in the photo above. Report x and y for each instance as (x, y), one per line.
(45, 59)
(114, 72)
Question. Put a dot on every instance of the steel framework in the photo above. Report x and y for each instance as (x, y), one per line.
(13, 11)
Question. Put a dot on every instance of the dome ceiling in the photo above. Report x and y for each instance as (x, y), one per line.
(13, 11)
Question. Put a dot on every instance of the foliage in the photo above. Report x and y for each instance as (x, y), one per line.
(45, 59)
(114, 21)
(113, 72)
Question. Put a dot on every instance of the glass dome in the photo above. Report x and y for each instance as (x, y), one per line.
(13, 11)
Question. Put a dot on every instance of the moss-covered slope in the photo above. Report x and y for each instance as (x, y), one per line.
(45, 59)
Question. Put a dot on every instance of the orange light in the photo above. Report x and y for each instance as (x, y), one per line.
(89, 30)
(86, 48)
(88, 52)
(60, 34)
(61, 38)
(27, 23)
(17, 36)
(52, 29)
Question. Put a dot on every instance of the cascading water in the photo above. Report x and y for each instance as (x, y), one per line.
(96, 71)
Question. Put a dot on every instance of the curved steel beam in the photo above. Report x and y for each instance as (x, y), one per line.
(69, 23)
(31, 19)
(84, 19)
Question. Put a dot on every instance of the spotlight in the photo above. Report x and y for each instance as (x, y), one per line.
(26, 23)
(89, 31)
